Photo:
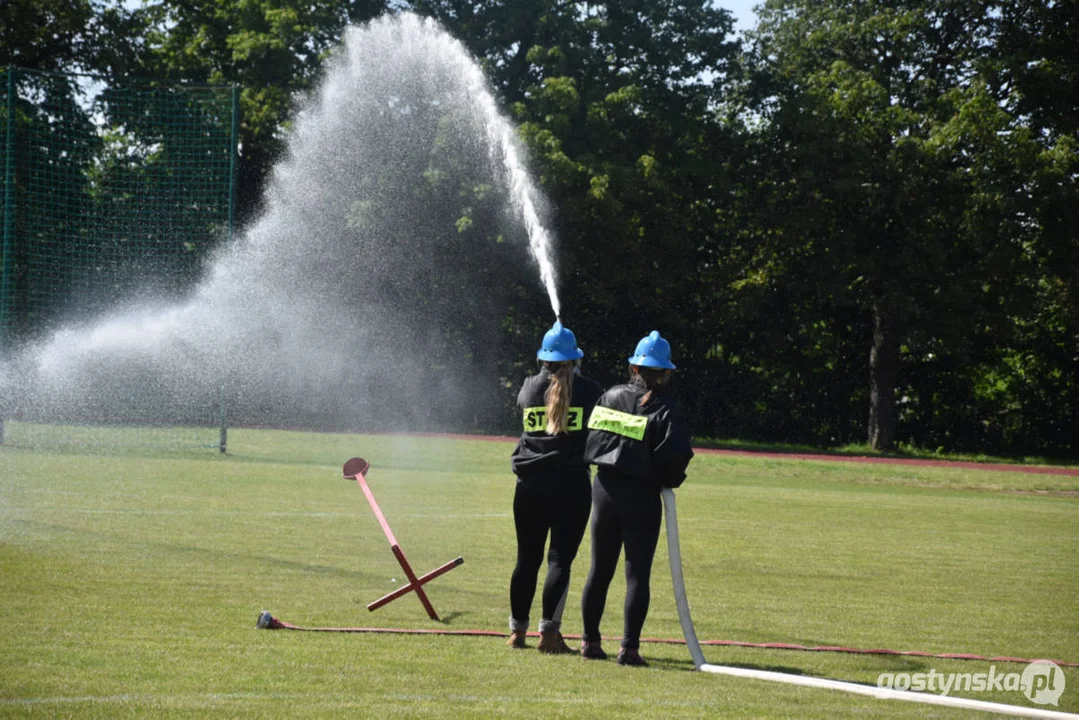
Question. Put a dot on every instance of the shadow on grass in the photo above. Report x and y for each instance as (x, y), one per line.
(683, 665)
(785, 669)
(669, 664)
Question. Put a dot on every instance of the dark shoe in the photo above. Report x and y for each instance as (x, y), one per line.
(630, 656)
(553, 644)
(592, 651)
(516, 639)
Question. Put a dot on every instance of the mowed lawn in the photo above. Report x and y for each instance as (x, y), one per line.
(130, 581)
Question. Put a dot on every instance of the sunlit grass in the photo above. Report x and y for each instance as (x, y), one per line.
(131, 582)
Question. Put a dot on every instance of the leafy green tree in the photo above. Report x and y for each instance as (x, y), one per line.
(272, 49)
(896, 177)
(1034, 392)
(47, 34)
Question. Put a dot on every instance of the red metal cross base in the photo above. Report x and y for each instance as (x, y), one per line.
(354, 470)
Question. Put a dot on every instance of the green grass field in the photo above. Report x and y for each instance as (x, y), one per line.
(130, 581)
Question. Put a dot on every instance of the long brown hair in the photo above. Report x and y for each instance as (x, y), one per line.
(651, 378)
(558, 395)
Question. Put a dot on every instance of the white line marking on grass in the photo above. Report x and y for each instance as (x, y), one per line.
(556, 700)
(71, 700)
(230, 513)
(103, 699)
(243, 513)
(339, 698)
(453, 516)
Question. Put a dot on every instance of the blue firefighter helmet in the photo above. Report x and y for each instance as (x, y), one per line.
(559, 345)
(652, 352)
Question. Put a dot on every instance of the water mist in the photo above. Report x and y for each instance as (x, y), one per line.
(354, 301)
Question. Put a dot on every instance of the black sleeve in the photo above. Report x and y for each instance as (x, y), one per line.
(672, 450)
(525, 391)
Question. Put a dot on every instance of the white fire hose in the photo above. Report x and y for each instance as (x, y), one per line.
(675, 554)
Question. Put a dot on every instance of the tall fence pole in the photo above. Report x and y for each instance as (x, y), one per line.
(8, 261)
(234, 145)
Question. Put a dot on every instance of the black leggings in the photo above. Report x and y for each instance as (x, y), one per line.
(626, 511)
(558, 502)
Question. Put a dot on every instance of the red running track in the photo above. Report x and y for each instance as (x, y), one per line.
(963, 464)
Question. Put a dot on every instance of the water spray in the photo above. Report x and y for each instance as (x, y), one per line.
(369, 188)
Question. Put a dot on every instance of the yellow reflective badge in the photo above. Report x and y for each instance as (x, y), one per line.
(618, 422)
(535, 419)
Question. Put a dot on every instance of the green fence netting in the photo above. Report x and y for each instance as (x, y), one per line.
(111, 191)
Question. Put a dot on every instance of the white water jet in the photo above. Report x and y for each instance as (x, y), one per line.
(523, 194)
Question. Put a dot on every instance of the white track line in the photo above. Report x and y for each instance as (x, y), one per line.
(243, 513)
(674, 551)
(336, 699)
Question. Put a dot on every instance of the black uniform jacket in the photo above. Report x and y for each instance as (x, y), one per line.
(650, 442)
(538, 451)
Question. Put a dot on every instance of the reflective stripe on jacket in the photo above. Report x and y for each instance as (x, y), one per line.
(651, 442)
(537, 450)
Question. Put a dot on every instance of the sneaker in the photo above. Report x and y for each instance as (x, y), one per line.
(630, 656)
(516, 639)
(553, 644)
(592, 651)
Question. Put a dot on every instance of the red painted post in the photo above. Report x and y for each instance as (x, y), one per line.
(405, 589)
(355, 469)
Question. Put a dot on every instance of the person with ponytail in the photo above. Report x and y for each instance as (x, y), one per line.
(639, 443)
(553, 492)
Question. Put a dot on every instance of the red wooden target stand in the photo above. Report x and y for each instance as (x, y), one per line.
(355, 469)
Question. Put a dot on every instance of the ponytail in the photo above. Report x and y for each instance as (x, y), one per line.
(558, 395)
(650, 378)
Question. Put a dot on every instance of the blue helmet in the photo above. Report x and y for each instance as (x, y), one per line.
(652, 352)
(559, 345)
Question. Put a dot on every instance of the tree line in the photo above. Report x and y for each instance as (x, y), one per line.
(858, 223)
